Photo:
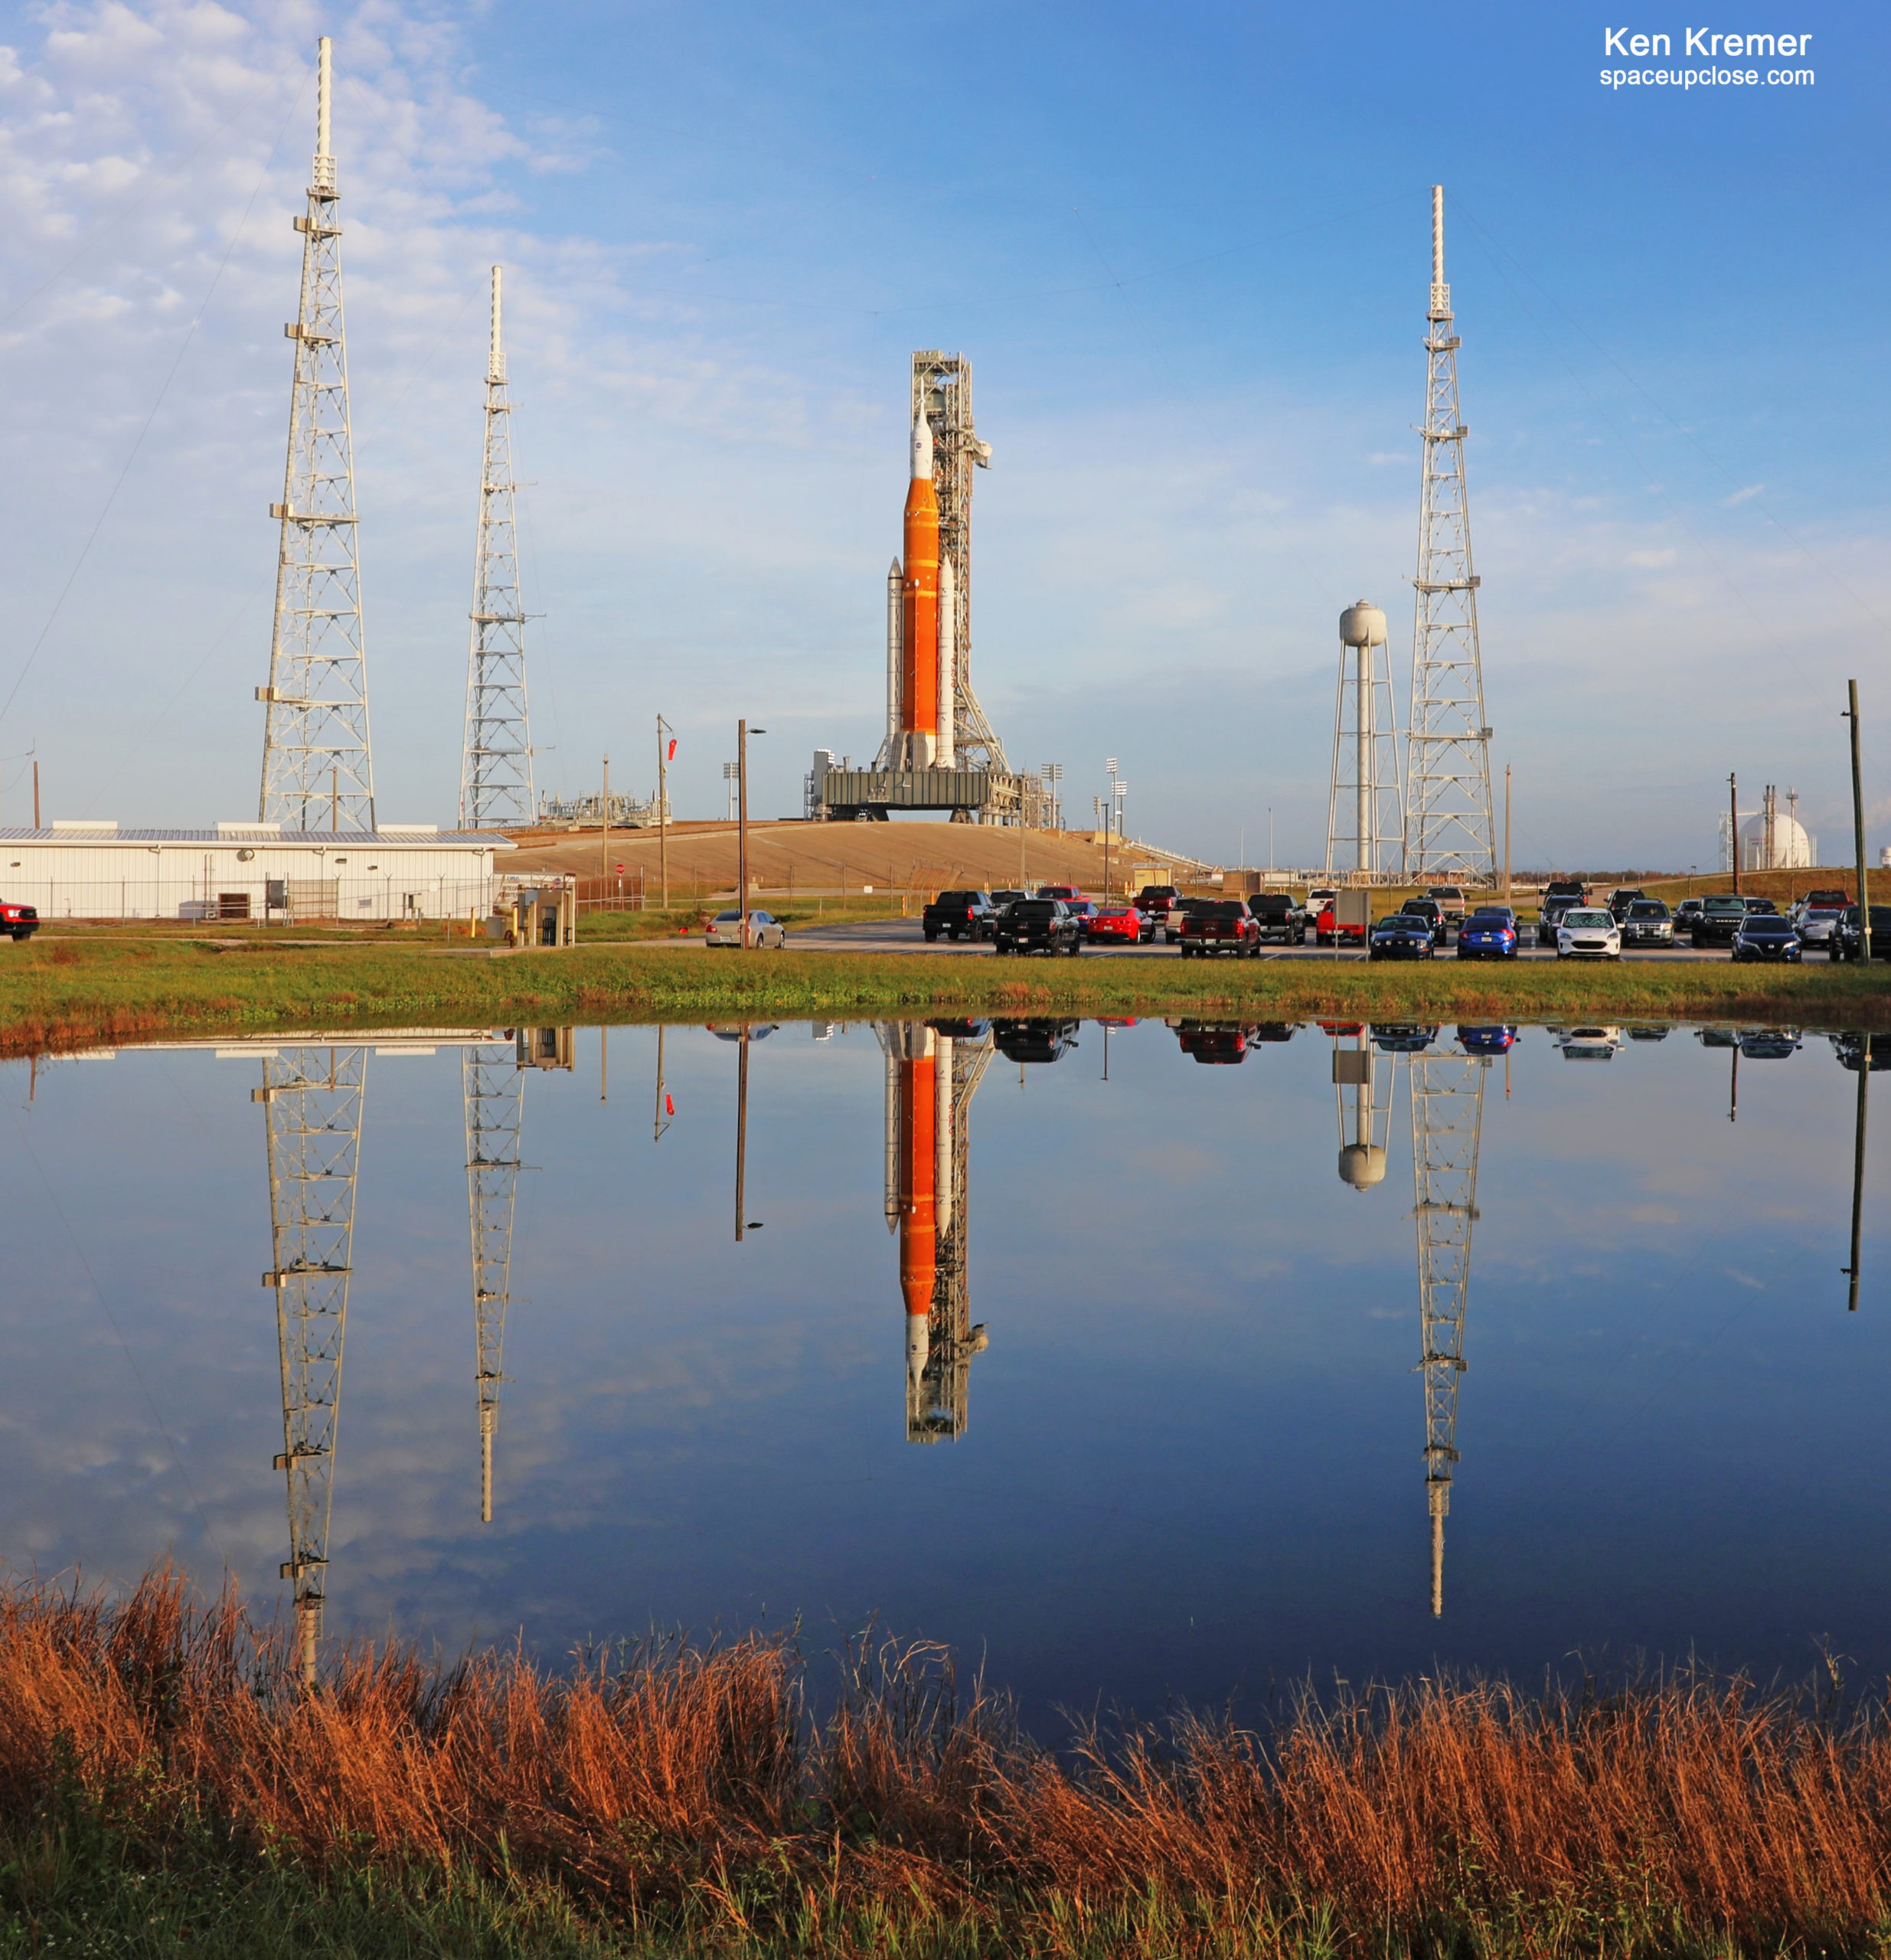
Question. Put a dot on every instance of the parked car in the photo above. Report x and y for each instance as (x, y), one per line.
(1495, 1039)
(1220, 925)
(1115, 925)
(1037, 925)
(1067, 893)
(1212, 1042)
(1319, 900)
(1402, 1037)
(1550, 913)
(765, 930)
(1685, 914)
(1588, 933)
(1765, 935)
(1620, 899)
(1402, 935)
(1431, 912)
(1847, 938)
(1588, 1044)
(1082, 910)
(1718, 920)
(1852, 1051)
(1328, 931)
(1829, 899)
(1762, 907)
(1003, 901)
(1489, 933)
(1035, 1039)
(958, 915)
(1646, 922)
(1816, 924)
(1769, 1044)
(1450, 900)
(1279, 919)
(21, 921)
(1152, 903)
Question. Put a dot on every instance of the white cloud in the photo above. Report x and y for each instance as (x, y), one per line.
(1742, 496)
(1649, 559)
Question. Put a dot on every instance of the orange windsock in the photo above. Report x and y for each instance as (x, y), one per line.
(919, 612)
(919, 1217)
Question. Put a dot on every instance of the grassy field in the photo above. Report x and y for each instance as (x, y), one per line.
(167, 1786)
(77, 989)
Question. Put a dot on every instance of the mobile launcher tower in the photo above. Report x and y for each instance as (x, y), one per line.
(940, 753)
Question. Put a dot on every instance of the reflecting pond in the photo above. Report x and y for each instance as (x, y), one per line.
(1136, 1360)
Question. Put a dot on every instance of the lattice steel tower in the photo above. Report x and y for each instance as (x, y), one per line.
(495, 775)
(1365, 811)
(1448, 828)
(1447, 1118)
(318, 772)
(314, 1099)
(493, 1085)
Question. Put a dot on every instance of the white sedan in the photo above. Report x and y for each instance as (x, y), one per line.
(765, 930)
(1588, 933)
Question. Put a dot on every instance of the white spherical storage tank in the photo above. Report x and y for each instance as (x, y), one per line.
(1790, 849)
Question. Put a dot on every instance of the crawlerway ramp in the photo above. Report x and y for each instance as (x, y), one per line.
(790, 856)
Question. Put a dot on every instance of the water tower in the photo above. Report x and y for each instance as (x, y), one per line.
(1365, 808)
(1362, 1094)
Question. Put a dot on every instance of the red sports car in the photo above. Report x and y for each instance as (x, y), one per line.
(1121, 924)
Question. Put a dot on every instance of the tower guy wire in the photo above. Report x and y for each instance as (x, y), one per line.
(495, 777)
(317, 758)
(1448, 831)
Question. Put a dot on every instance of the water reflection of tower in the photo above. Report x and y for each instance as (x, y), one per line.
(492, 1085)
(1447, 1118)
(932, 1071)
(1363, 1088)
(313, 1097)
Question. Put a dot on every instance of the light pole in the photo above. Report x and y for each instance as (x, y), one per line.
(729, 786)
(741, 841)
(663, 807)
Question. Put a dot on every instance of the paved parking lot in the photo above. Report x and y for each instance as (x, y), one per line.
(905, 936)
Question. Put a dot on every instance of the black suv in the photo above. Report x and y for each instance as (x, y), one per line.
(1718, 919)
(1037, 1040)
(1560, 895)
(1847, 939)
(1037, 925)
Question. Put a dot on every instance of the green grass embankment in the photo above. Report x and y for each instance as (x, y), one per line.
(75, 992)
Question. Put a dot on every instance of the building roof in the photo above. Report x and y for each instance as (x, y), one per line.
(389, 837)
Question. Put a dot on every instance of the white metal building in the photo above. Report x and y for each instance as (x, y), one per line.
(94, 870)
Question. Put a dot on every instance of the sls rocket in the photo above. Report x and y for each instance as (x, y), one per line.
(921, 657)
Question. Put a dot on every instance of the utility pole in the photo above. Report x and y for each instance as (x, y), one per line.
(742, 899)
(1858, 1169)
(741, 1108)
(1507, 847)
(663, 810)
(604, 837)
(36, 824)
(661, 1120)
(1858, 832)
(316, 700)
(1733, 829)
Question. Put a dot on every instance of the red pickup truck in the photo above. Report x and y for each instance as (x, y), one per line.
(1220, 925)
(22, 921)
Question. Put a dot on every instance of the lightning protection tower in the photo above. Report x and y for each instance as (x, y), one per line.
(1448, 828)
(496, 776)
(492, 1083)
(1365, 811)
(313, 1097)
(318, 772)
(1447, 1120)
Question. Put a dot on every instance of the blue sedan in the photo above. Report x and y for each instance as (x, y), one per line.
(1489, 933)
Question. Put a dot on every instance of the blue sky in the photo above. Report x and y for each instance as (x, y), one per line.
(1185, 249)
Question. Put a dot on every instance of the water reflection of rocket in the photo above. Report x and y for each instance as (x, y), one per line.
(931, 1074)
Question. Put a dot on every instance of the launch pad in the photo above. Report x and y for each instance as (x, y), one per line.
(972, 796)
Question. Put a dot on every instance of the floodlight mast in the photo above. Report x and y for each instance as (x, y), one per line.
(318, 769)
(1449, 829)
(495, 779)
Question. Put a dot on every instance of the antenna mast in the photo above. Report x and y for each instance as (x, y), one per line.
(493, 1085)
(313, 1097)
(1447, 1120)
(316, 759)
(1449, 832)
(495, 777)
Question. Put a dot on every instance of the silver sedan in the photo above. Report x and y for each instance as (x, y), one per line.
(765, 930)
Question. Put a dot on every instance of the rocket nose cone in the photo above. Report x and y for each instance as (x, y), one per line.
(922, 447)
(918, 1345)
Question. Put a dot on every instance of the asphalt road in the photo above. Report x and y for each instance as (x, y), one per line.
(905, 936)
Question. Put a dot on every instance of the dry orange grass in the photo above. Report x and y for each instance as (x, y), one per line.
(695, 1786)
